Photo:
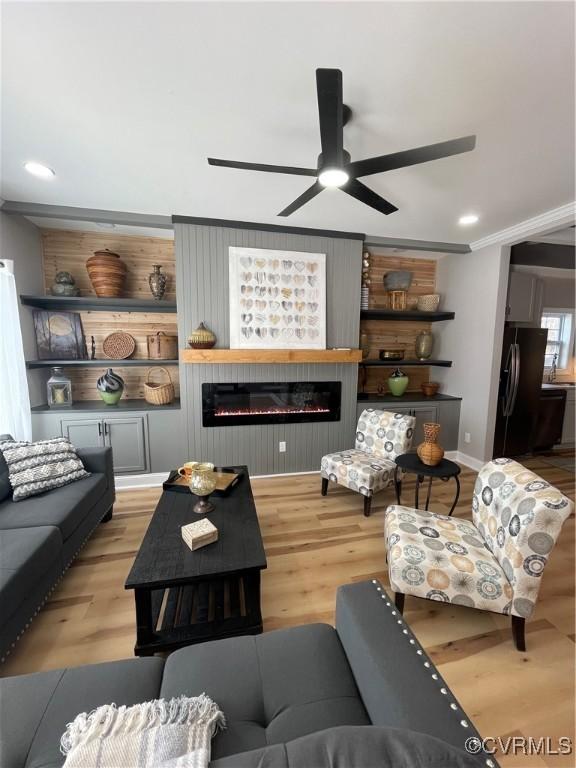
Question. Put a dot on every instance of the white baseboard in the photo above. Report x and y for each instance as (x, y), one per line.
(463, 458)
(155, 479)
(131, 482)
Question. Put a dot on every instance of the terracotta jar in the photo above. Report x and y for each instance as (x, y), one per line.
(107, 273)
(430, 451)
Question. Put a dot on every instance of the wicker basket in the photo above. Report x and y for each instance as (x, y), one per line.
(158, 394)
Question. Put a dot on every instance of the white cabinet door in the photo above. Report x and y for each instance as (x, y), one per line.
(522, 298)
(127, 437)
(83, 433)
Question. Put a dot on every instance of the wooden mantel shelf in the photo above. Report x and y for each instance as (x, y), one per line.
(251, 356)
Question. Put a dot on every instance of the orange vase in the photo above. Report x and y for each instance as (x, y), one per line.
(430, 451)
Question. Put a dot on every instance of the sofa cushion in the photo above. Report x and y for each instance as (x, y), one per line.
(272, 688)
(51, 700)
(64, 507)
(25, 556)
(358, 746)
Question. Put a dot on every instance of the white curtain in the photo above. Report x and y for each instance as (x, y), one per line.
(15, 416)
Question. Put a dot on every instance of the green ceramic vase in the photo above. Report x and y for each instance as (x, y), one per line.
(398, 382)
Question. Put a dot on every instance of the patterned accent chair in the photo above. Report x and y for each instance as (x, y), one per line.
(494, 562)
(369, 466)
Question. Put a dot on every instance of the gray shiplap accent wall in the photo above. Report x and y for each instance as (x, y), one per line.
(202, 293)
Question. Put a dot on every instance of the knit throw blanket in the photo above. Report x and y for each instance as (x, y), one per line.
(156, 734)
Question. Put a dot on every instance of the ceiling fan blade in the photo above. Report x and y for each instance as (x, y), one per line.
(329, 88)
(263, 167)
(311, 192)
(411, 156)
(361, 192)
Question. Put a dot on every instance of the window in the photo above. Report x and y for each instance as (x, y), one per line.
(560, 325)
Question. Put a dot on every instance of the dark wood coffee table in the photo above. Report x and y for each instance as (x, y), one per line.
(184, 597)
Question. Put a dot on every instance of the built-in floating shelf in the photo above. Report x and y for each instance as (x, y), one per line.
(251, 356)
(404, 363)
(133, 404)
(96, 363)
(93, 303)
(410, 315)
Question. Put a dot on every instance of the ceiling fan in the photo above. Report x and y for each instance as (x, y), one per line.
(334, 168)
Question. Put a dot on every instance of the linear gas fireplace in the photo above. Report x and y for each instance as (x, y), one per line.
(224, 405)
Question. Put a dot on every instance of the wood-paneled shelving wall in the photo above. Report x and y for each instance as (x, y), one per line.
(384, 334)
(68, 250)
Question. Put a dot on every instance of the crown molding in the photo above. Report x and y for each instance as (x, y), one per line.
(564, 215)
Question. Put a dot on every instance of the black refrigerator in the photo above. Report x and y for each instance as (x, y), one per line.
(521, 372)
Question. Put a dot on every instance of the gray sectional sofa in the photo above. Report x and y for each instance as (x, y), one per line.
(40, 536)
(362, 695)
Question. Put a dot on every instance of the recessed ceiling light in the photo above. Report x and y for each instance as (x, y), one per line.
(333, 177)
(470, 218)
(37, 169)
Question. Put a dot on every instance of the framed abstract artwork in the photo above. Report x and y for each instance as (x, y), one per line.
(277, 299)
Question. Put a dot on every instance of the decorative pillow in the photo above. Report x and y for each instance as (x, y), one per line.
(37, 467)
(5, 487)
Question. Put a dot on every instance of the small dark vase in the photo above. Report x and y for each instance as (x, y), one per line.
(110, 387)
(157, 282)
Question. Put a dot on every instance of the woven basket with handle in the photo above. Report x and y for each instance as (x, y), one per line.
(158, 394)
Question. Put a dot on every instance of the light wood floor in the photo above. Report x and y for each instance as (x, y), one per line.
(313, 545)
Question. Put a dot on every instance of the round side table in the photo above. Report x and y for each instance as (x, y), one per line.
(409, 462)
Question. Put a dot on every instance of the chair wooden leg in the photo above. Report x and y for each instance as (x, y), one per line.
(367, 505)
(324, 490)
(518, 627)
(399, 601)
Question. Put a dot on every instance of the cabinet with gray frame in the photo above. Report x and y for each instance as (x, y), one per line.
(141, 441)
(443, 409)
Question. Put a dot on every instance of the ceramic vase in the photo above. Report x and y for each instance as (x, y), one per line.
(202, 338)
(424, 345)
(430, 451)
(107, 273)
(364, 345)
(110, 387)
(157, 282)
(398, 382)
(64, 285)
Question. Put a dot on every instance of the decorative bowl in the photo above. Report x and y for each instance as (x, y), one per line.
(429, 388)
(391, 354)
(429, 302)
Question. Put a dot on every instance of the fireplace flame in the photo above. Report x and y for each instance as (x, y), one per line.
(271, 411)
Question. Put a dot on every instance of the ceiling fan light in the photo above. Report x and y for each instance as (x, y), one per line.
(333, 177)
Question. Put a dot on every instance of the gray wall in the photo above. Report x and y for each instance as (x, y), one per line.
(202, 292)
(20, 241)
(473, 285)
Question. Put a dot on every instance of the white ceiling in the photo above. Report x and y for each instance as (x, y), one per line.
(126, 100)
